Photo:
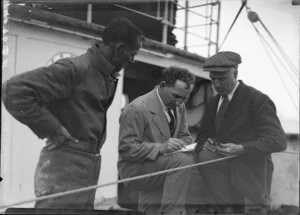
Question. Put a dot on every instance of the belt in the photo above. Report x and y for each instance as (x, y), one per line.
(83, 148)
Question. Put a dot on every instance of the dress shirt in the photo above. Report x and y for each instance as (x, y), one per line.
(230, 95)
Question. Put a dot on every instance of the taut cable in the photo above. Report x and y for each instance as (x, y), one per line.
(115, 182)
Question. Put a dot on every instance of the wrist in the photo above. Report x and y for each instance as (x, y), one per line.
(54, 132)
(162, 149)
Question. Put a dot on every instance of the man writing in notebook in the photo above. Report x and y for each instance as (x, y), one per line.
(151, 128)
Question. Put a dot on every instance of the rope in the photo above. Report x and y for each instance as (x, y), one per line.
(293, 67)
(253, 17)
(279, 60)
(237, 15)
(291, 152)
(69, 192)
(265, 44)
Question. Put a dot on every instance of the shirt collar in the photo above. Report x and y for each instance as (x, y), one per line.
(160, 100)
(98, 59)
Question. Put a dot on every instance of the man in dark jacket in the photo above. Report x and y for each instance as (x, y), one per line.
(240, 121)
(66, 103)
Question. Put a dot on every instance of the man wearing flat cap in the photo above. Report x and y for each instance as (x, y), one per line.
(242, 121)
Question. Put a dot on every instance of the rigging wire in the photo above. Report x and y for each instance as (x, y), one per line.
(83, 189)
(236, 17)
(79, 190)
(293, 67)
(253, 17)
(280, 61)
(264, 42)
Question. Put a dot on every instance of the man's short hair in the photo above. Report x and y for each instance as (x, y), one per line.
(172, 74)
(121, 30)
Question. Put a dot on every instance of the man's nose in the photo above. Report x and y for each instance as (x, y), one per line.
(131, 60)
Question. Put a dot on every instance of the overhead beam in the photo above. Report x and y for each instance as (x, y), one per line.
(295, 2)
(50, 18)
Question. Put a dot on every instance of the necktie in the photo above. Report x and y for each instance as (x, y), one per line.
(221, 112)
(172, 121)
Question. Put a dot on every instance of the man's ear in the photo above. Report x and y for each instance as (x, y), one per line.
(120, 48)
(235, 74)
(162, 84)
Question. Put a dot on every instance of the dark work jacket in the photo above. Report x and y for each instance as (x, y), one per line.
(72, 92)
(250, 120)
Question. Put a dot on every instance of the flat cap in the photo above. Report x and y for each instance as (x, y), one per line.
(222, 61)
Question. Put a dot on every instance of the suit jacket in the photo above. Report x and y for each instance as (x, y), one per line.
(143, 129)
(250, 120)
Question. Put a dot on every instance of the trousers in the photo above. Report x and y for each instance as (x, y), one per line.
(223, 197)
(166, 193)
(62, 169)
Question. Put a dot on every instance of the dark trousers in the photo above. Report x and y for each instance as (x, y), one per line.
(223, 197)
(62, 169)
(165, 193)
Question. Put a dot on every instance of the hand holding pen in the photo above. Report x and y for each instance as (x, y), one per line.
(172, 145)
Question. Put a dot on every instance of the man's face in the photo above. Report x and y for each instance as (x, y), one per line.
(224, 82)
(124, 54)
(173, 96)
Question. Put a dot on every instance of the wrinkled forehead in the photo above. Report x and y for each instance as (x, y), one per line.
(182, 86)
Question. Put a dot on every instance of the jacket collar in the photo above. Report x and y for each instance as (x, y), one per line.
(99, 61)
(153, 102)
(239, 91)
(159, 117)
(237, 100)
(238, 88)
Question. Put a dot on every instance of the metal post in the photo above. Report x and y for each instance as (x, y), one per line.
(158, 9)
(186, 24)
(210, 30)
(218, 23)
(165, 25)
(172, 13)
(89, 13)
(206, 20)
